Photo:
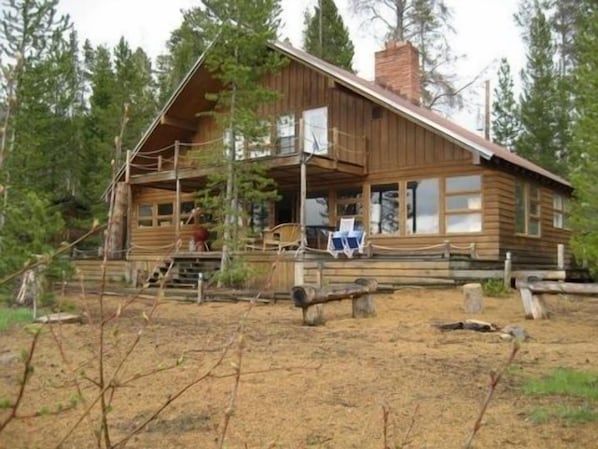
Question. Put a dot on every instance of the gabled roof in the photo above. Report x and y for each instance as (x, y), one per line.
(386, 98)
(429, 119)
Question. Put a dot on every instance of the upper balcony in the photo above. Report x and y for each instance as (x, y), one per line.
(328, 153)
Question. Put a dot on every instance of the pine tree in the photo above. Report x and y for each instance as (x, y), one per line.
(184, 46)
(326, 36)
(542, 140)
(427, 24)
(584, 171)
(239, 58)
(505, 111)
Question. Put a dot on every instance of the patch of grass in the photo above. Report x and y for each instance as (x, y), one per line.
(10, 316)
(570, 386)
(495, 288)
(565, 382)
(566, 414)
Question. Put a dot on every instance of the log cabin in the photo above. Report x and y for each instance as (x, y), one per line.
(422, 188)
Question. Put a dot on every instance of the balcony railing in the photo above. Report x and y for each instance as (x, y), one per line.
(333, 144)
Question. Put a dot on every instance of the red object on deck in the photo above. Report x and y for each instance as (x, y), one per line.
(200, 236)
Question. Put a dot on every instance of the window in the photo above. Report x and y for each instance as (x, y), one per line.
(259, 146)
(164, 216)
(315, 128)
(422, 207)
(258, 217)
(239, 148)
(348, 204)
(285, 134)
(186, 212)
(527, 209)
(145, 216)
(384, 209)
(463, 204)
(560, 206)
(316, 210)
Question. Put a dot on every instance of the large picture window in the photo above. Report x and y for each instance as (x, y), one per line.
(463, 204)
(422, 207)
(384, 209)
(527, 209)
(315, 129)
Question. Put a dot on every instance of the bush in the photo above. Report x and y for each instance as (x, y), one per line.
(495, 288)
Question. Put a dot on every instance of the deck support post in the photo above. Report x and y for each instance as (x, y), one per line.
(129, 221)
(177, 206)
(200, 288)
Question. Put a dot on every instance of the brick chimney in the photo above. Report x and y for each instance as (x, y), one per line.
(397, 69)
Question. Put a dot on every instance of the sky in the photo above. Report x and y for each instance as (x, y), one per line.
(484, 33)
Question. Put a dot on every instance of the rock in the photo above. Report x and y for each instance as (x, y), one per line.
(514, 332)
(7, 359)
(474, 298)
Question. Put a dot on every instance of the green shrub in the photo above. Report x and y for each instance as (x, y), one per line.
(495, 288)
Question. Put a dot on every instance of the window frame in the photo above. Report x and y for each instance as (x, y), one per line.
(532, 208)
(469, 193)
(561, 212)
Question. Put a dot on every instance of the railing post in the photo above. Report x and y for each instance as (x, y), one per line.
(447, 249)
(508, 268)
(160, 162)
(129, 204)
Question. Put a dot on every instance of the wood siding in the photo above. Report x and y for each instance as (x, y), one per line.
(398, 151)
(156, 240)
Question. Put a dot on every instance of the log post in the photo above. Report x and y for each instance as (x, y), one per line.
(508, 267)
(474, 298)
(200, 288)
(446, 252)
(314, 315)
(309, 297)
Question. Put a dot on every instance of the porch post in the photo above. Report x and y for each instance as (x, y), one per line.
(299, 268)
(129, 204)
(177, 206)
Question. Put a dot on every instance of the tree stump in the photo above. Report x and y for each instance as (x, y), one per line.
(364, 307)
(314, 315)
(474, 298)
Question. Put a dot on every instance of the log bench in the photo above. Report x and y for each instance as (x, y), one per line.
(532, 292)
(311, 299)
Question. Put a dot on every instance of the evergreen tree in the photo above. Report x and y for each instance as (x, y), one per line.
(565, 21)
(184, 46)
(541, 140)
(239, 58)
(27, 29)
(326, 36)
(505, 113)
(584, 158)
(427, 24)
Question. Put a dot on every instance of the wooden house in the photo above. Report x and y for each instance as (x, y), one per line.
(415, 182)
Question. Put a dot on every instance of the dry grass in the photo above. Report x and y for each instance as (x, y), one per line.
(304, 387)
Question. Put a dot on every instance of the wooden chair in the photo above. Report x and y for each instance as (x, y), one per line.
(282, 236)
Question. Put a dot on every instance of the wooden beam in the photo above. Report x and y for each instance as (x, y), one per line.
(177, 123)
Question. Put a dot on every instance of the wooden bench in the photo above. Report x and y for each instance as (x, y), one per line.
(532, 292)
(311, 299)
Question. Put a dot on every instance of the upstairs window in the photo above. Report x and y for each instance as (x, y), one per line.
(463, 196)
(527, 209)
(285, 134)
(315, 129)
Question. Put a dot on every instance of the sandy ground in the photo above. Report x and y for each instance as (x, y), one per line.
(302, 387)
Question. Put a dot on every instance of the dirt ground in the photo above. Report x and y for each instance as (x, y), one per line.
(304, 387)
